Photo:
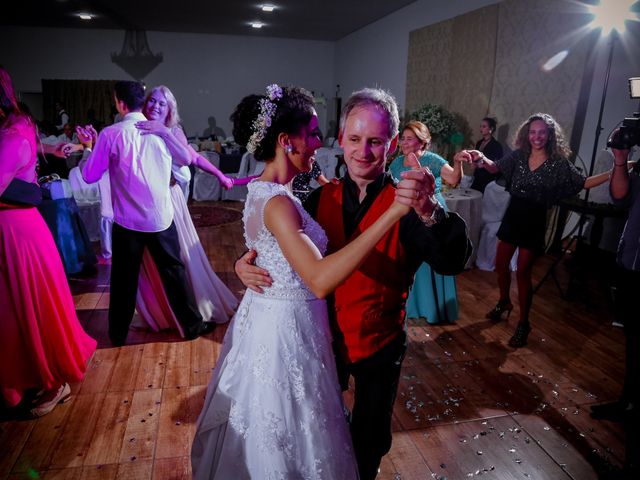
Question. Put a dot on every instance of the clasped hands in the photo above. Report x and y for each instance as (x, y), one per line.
(472, 157)
(87, 136)
(417, 187)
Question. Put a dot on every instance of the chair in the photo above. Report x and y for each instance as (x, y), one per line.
(494, 203)
(327, 160)
(248, 164)
(205, 185)
(87, 196)
(255, 167)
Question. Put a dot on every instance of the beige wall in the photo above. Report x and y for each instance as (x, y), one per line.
(489, 61)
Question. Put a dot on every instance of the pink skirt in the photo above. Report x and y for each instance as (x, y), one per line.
(42, 344)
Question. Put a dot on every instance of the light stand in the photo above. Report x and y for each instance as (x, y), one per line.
(612, 42)
(584, 203)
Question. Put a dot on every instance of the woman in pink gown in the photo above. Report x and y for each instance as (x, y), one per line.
(42, 344)
(215, 301)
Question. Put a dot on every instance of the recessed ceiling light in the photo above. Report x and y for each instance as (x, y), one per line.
(85, 16)
(268, 8)
(257, 24)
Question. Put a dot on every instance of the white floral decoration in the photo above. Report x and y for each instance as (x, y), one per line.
(263, 122)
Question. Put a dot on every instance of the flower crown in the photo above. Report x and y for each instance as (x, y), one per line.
(263, 122)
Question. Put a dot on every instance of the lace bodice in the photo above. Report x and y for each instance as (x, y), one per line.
(286, 282)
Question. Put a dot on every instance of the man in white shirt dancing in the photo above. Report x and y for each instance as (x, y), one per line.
(140, 171)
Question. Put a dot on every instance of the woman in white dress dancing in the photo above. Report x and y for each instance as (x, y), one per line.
(273, 409)
(216, 303)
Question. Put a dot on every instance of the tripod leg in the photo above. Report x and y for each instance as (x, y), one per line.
(552, 269)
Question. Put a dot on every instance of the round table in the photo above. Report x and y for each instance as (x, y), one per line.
(468, 204)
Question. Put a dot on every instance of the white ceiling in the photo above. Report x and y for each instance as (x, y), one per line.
(327, 20)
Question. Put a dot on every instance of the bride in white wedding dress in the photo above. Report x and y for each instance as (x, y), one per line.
(273, 409)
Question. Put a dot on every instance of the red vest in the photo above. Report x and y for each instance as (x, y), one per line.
(369, 306)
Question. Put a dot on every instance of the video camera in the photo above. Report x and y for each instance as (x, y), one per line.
(628, 134)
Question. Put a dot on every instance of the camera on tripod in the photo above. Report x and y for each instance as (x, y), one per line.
(628, 134)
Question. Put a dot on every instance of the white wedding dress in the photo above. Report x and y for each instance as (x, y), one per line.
(274, 409)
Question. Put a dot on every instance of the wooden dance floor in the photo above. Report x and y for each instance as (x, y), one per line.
(468, 406)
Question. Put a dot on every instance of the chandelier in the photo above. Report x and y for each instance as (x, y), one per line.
(136, 58)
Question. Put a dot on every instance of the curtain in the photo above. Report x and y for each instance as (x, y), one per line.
(78, 97)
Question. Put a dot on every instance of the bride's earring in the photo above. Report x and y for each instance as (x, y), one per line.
(288, 149)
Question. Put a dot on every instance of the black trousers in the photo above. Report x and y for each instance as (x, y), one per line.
(376, 384)
(128, 248)
(628, 310)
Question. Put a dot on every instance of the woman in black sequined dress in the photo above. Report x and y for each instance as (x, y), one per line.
(538, 175)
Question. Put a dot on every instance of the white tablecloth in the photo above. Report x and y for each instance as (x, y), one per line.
(468, 204)
(205, 185)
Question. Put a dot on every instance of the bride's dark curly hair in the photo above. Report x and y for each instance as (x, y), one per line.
(293, 111)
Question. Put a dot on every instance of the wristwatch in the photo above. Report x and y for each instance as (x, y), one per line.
(480, 160)
(437, 215)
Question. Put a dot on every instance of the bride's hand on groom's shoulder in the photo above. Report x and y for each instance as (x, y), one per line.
(251, 276)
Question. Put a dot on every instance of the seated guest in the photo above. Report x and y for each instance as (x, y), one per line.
(67, 135)
(61, 118)
(491, 148)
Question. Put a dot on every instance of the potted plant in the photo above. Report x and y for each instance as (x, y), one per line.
(449, 131)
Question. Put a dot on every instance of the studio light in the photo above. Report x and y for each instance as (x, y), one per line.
(610, 15)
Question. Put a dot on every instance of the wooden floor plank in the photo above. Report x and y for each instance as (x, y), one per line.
(100, 371)
(203, 361)
(78, 432)
(405, 457)
(468, 405)
(108, 437)
(141, 434)
(176, 468)
(13, 437)
(570, 449)
(178, 371)
(43, 440)
(126, 369)
(152, 366)
(496, 447)
(135, 469)
(174, 436)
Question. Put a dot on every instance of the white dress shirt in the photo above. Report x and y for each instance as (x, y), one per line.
(139, 168)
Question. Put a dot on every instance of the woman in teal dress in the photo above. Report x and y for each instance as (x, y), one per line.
(433, 296)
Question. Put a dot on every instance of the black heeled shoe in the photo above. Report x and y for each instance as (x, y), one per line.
(498, 311)
(519, 338)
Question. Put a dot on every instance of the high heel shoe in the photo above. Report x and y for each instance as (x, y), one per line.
(498, 311)
(519, 338)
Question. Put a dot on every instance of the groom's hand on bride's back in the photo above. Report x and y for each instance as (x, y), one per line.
(251, 276)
